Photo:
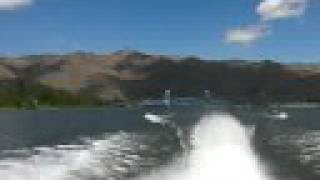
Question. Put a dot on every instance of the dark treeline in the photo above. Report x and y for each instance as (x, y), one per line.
(20, 94)
(263, 81)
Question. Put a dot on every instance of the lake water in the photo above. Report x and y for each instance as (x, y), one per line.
(204, 143)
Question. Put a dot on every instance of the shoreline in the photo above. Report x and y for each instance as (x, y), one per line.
(130, 106)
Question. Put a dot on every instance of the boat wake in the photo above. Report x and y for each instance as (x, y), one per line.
(112, 156)
(221, 149)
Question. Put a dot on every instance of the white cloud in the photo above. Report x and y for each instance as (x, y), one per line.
(13, 4)
(278, 9)
(268, 10)
(246, 35)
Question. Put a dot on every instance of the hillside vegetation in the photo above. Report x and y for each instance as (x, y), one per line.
(90, 79)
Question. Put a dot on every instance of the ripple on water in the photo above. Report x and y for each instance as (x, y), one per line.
(112, 156)
(300, 145)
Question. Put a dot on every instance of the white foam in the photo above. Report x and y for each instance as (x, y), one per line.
(154, 118)
(222, 151)
(98, 159)
(280, 115)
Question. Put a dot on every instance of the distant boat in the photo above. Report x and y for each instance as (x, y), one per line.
(179, 101)
(153, 102)
(166, 101)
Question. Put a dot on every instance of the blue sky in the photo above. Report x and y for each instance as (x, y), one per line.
(177, 27)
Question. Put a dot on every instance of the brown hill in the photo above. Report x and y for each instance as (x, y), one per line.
(133, 75)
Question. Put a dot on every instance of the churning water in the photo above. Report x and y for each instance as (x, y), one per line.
(221, 149)
(214, 146)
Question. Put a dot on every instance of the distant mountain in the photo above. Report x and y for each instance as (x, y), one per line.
(131, 75)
